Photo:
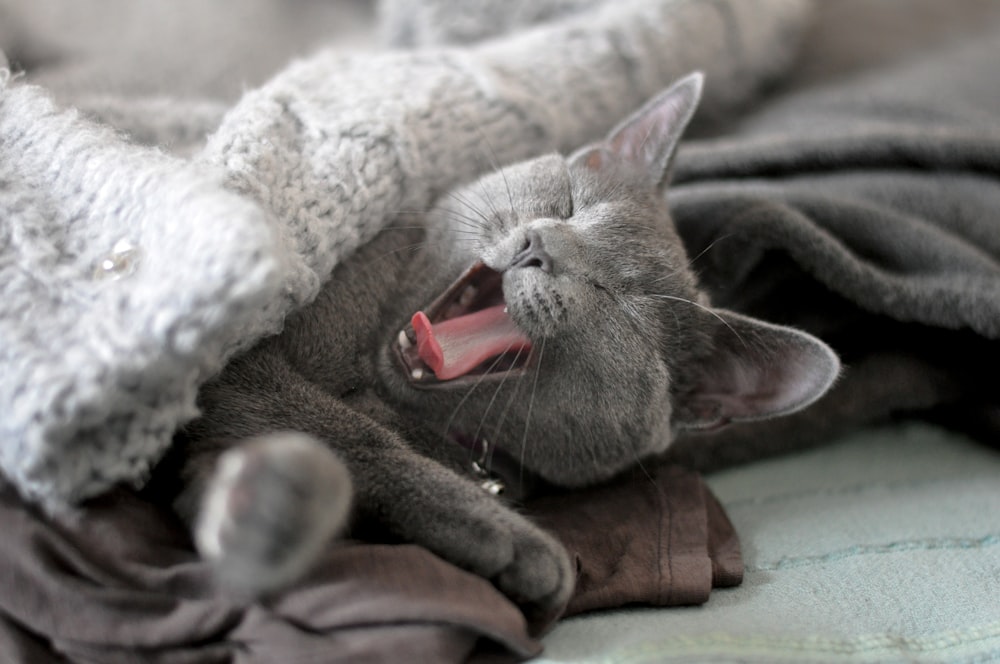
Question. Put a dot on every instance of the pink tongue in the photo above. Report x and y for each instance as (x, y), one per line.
(456, 346)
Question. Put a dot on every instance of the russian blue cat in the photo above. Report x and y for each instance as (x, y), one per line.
(542, 321)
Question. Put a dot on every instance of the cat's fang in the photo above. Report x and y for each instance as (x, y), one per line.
(492, 486)
(468, 296)
(403, 340)
(417, 374)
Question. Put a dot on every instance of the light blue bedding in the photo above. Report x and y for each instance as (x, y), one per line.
(884, 547)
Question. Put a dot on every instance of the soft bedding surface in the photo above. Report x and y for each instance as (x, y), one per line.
(209, 181)
(884, 547)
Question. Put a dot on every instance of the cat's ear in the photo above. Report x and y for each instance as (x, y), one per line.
(648, 138)
(756, 370)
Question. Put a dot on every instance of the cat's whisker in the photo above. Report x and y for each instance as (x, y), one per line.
(641, 466)
(673, 312)
(632, 226)
(465, 220)
(376, 262)
(666, 277)
(504, 412)
(496, 392)
(691, 262)
(617, 190)
(451, 419)
(458, 223)
(469, 225)
(495, 163)
(630, 309)
(486, 194)
(422, 214)
(627, 305)
(483, 218)
(474, 218)
(490, 202)
(457, 231)
(707, 310)
(413, 248)
(709, 248)
(527, 417)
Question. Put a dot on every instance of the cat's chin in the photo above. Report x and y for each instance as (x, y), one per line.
(464, 337)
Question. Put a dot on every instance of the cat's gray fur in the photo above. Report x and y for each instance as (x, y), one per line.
(625, 352)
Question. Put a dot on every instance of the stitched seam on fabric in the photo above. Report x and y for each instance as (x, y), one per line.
(899, 546)
(665, 505)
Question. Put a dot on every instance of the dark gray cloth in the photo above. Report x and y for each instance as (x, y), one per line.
(867, 212)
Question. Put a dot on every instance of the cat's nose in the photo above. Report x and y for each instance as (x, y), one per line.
(532, 253)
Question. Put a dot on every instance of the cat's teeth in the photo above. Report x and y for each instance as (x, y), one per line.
(404, 341)
(468, 295)
(417, 373)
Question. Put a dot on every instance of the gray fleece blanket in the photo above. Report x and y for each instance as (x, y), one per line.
(866, 212)
(132, 265)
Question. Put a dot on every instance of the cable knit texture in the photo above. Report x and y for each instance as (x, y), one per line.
(102, 349)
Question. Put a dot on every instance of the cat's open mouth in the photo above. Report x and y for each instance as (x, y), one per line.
(464, 334)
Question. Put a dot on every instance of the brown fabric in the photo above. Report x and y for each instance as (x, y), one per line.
(655, 537)
(120, 581)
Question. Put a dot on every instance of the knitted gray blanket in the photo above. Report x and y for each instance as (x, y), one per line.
(135, 257)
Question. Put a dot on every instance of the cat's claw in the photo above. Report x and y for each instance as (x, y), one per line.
(272, 505)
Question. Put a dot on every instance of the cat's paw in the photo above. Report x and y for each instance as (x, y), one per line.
(539, 575)
(271, 506)
(523, 561)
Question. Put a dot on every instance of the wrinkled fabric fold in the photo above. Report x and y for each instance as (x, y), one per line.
(655, 537)
(120, 580)
(863, 212)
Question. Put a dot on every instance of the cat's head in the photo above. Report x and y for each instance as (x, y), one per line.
(576, 339)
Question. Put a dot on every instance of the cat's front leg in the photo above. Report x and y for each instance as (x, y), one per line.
(416, 497)
(451, 515)
(268, 509)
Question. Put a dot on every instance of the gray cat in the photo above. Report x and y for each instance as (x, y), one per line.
(543, 318)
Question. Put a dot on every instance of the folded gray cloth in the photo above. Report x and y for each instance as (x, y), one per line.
(865, 212)
(128, 276)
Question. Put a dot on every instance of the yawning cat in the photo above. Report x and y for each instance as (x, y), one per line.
(542, 319)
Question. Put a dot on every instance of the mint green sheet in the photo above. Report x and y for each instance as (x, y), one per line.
(884, 547)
